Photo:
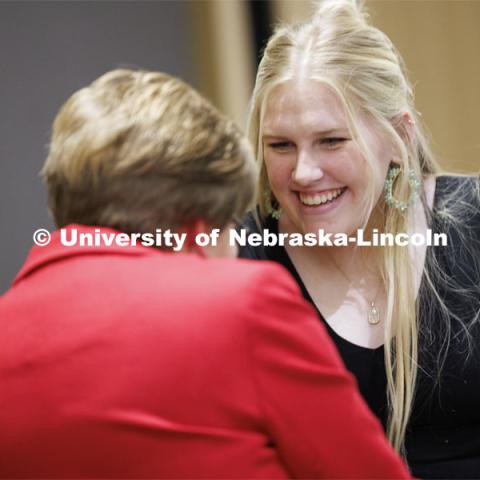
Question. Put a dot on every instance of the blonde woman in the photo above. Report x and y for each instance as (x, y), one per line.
(341, 148)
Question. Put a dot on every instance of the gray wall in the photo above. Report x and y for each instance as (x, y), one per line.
(47, 51)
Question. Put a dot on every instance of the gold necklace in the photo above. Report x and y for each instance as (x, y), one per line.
(373, 315)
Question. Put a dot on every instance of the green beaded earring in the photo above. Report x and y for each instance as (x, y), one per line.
(414, 187)
(269, 208)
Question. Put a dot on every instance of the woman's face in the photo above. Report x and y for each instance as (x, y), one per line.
(316, 171)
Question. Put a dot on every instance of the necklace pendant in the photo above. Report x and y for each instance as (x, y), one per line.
(373, 315)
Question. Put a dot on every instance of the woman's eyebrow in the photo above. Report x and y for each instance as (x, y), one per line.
(318, 133)
(267, 136)
(330, 131)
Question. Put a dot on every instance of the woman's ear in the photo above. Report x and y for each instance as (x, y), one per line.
(405, 127)
(191, 231)
(196, 227)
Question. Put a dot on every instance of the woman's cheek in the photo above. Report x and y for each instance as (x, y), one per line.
(277, 174)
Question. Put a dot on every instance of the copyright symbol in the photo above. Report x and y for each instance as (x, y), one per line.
(41, 237)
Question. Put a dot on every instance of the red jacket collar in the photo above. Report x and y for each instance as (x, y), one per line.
(55, 250)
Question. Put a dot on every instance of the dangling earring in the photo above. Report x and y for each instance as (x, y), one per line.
(413, 182)
(269, 208)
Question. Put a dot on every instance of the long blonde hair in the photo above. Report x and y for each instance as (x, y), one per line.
(339, 48)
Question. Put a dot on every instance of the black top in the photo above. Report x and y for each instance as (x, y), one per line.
(443, 439)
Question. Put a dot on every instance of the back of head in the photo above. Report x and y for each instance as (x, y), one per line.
(139, 150)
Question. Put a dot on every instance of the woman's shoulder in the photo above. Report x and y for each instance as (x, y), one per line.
(451, 189)
(252, 224)
(457, 202)
(456, 213)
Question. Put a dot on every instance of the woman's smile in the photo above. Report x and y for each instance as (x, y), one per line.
(320, 198)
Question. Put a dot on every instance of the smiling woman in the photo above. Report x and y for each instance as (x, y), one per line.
(341, 147)
(313, 163)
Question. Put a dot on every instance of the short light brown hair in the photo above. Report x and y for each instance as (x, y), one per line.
(139, 150)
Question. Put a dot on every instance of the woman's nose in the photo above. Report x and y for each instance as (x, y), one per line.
(307, 169)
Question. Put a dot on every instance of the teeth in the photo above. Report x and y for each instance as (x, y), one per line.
(318, 199)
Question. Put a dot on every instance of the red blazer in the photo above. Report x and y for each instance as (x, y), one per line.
(128, 362)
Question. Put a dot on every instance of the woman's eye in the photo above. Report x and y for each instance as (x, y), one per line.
(332, 141)
(280, 146)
